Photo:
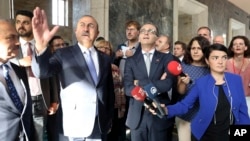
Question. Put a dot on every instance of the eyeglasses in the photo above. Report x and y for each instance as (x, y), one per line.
(150, 31)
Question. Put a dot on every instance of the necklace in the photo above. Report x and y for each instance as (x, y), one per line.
(243, 61)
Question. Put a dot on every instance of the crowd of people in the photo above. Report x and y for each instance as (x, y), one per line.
(90, 91)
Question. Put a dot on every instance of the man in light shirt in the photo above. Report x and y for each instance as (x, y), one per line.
(15, 116)
(179, 49)
(87, 89)
(44, 92)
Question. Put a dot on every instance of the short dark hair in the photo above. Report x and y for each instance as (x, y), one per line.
(54, 38)
(183, 45)
(219, 47)
(24, 13)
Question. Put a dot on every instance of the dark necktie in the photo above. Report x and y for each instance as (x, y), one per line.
(29, 53)
(91, 65)
(12, 90)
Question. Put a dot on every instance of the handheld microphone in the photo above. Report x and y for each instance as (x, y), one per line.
(175, 69)
(139, 94)
(152, 92)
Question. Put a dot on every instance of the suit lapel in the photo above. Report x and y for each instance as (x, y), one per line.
(101, 61)
(78, 55)
(141, 63)
(155, 62)
(22, 75)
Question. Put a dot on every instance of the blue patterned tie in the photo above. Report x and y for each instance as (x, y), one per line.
(91, 65)
(12, 90)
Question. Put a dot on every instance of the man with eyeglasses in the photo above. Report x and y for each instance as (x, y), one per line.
(145, 67)
(87, 89)
(128, 48)
(125, 50)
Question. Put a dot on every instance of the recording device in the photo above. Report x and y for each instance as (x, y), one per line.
(139, 94)
(175, 69)
(152, 92)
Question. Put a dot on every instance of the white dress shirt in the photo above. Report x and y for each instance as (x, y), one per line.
(34, 83)
(79, 104)
(93, 54)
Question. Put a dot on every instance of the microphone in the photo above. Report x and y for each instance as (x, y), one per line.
(175, 69)
(152, 92)
(139, 94)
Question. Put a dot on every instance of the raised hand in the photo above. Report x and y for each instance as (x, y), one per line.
(41, 31)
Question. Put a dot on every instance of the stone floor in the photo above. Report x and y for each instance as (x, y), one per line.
(175, 136)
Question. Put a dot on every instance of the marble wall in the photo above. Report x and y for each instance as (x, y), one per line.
(185, 30)
(64, 31)
(220, 11)
(159, 12)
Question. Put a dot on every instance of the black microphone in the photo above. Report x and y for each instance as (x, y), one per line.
(152, 92)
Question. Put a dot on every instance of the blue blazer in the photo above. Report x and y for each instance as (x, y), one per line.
(69, 64)
(135, 69)
(205, 91)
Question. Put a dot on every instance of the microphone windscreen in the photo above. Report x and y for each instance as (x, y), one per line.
(151, 90)
(138, 93)
(174, 68)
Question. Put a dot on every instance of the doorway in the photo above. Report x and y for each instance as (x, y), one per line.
(189, 15)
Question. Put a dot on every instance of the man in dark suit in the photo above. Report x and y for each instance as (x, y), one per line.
(15, 100)
(87, 90)
(44, 92)
(145, 126)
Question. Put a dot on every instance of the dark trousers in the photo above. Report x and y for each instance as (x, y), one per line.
(39, 117)
(118, 130)
(52, 127)
(152, 128)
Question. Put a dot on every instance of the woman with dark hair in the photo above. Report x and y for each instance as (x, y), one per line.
(239, 62)
(221, 98)
(194, 66)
